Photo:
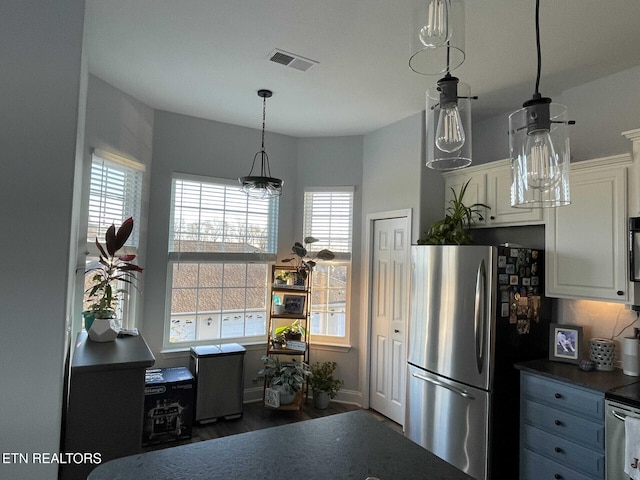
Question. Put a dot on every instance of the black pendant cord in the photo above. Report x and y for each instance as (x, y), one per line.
(264, 153)
(537, 92)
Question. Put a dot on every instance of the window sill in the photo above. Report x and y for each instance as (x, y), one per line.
(185, 352)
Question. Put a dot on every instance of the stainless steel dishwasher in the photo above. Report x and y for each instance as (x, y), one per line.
(615, 414)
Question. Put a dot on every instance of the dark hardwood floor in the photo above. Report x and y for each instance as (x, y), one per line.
(257, 417)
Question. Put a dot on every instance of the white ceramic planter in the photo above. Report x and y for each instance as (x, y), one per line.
(103, 330)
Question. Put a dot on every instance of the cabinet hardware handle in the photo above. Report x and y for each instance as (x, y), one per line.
(557, 450)
(558, 422)
(396, 331)
(620, 292)
(558, 476)
(558, 395)
(492, 217)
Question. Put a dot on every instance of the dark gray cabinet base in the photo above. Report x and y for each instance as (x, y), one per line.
(106, 401)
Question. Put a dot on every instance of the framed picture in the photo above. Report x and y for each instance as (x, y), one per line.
(565, 343)
(294, 304)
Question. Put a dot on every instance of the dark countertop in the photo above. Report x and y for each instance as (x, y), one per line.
(125, 352)
(351, 445)
(597, 380)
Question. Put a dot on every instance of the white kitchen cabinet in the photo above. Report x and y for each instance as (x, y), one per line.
(586, 241)
(491, 184)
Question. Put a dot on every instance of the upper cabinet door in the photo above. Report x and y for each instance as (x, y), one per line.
(499, 199)
(586, 241)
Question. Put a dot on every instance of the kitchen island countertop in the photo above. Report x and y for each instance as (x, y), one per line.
(351, 445)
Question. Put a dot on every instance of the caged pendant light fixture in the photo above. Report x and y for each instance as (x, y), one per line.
(539, 148)
(263, 186)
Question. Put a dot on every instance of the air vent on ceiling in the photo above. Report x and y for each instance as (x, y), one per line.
(291, 60)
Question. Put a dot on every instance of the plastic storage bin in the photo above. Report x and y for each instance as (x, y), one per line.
(219, 373)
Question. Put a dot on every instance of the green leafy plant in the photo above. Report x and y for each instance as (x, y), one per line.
(454, 228)
(289, 331)
(290, 375)
(322, 378)
(301, 261)
(110, 269)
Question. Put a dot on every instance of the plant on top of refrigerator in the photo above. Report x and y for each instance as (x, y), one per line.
(454, 228)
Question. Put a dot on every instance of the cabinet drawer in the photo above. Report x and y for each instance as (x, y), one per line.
(563, 451)
(537, 467)
(563, 396)
(558, 422)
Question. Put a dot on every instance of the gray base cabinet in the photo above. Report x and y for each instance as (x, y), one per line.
(561, 430)
(105, 407)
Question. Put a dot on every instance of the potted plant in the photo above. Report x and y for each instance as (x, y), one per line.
(454, 228)
(323, 384)
(301, 262)
(111, 268)
(295, 331)
(286, 377)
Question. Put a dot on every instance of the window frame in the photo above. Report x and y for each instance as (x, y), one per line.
(341, 259)
(176, 257)
(133, 207)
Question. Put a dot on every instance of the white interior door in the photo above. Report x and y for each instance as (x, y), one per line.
(389, 310)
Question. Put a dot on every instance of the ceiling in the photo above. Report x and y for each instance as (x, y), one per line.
(208, 58)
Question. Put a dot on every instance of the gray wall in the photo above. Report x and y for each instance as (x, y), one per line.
(117, 123)
(395, 176)
(333, 162)
(41, 88)
(202, 147)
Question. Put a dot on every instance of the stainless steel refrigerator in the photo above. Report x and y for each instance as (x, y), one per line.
(474, 312)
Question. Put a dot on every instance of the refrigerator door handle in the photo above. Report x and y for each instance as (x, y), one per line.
(480, 314)
(444, 385)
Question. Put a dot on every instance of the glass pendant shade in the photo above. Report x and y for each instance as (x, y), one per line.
(435, 30)
(437, 36)
(264, 185)
(448, 125)
(540, 157)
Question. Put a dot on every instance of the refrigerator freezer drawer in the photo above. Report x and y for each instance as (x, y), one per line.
(450, 420)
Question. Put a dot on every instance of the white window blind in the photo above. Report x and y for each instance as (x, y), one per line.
(218, 217)
(328, 216)
(115, 194)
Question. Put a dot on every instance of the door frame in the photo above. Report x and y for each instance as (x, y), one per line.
(366, 307)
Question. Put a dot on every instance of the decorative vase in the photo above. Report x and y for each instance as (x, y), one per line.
(321, 399)
(103, 330)
(278, 309)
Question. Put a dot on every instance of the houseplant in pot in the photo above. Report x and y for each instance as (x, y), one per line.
(104, 275)
(454, 228)
(302, 262)
(323, 384)
(286, 377)
(295, 331)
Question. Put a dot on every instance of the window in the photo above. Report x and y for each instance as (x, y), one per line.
(115, 194)
(328, 216)
(220, 248)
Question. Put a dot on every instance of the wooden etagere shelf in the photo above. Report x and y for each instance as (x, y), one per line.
(290, 303)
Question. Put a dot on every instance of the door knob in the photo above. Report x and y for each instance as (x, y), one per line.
(396, 331)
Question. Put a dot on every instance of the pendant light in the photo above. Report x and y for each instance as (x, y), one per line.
(448, 123)
(539, 148)
(437, 36)
(263, 186)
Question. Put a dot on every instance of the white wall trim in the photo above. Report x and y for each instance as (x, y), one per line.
(365, 331)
